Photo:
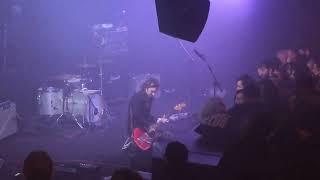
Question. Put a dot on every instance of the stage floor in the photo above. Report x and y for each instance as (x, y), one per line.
(70, 145)
(65, 143)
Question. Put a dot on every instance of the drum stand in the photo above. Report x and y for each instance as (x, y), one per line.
(66, 113)
(101, 79)
(73, 118)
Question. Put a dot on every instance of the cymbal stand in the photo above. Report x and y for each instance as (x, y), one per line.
(101, 79)
(65, 108)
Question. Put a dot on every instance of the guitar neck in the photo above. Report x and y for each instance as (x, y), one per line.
(182, 105)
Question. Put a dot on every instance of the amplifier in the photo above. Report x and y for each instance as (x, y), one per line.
(8, 119)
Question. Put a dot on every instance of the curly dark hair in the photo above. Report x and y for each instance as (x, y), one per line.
(150, 83)
(246, 80)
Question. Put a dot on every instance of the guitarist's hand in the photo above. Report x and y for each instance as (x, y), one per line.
(152, 130)
(162, 120)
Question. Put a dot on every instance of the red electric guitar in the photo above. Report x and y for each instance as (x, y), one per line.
(144, 139)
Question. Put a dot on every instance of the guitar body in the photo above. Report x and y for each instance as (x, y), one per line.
(142, 139)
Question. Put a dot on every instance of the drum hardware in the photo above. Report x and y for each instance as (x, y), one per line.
(114, 77)
(50, 101)
(74, 99)
(87, 91)
(100, 33)
(101, 79)
(65, 77)
(95, 111)
(66, 113)
(87, 104)
(86, 66)
(99, 27)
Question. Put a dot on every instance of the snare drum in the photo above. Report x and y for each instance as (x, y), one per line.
(50, 101)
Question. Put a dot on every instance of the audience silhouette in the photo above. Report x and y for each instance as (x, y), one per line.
(38, 166)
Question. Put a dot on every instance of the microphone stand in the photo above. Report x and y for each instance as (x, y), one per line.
(4, 46)
(216, 84)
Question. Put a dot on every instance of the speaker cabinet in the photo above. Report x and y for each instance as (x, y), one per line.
(183, 19)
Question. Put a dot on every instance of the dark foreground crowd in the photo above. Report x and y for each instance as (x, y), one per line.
(39, 166)
(274, 122)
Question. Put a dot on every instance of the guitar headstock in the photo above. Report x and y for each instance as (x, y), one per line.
(180, 106)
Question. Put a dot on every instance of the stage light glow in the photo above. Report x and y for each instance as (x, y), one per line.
(232, 7)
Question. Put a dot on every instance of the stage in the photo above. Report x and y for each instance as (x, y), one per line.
(91, 154)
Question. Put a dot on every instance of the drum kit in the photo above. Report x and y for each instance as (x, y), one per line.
(68, 95)
(75, 96)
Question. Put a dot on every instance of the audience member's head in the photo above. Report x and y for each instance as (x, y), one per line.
(263, 70)
(306, 52)
(38, 166)
(126, 174)
(244, 81)
(314, 67)
(282, 56)
(292, 56)
(274, 71)
(176, 154)
(290, 72)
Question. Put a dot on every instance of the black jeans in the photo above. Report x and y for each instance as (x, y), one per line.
(140, 160)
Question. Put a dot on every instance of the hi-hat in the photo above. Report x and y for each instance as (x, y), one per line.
(65, 77)
(105, 26)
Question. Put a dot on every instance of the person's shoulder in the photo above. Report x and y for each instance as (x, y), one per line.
(136, 95)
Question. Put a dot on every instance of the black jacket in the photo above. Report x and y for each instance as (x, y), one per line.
(139, 112)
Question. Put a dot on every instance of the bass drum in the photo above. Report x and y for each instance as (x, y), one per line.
(88, 106)
(96, 110)
(50, 101)
(77, 103)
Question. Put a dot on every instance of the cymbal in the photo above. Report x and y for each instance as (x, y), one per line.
(102, 26)
(66, 77)
(74, 80)
(88, 91)
(86, 65)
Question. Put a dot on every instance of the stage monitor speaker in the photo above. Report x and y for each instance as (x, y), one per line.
(183, 19)
(8, 119)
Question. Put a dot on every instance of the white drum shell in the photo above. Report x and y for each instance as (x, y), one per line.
(50, 101)
(89, 106)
